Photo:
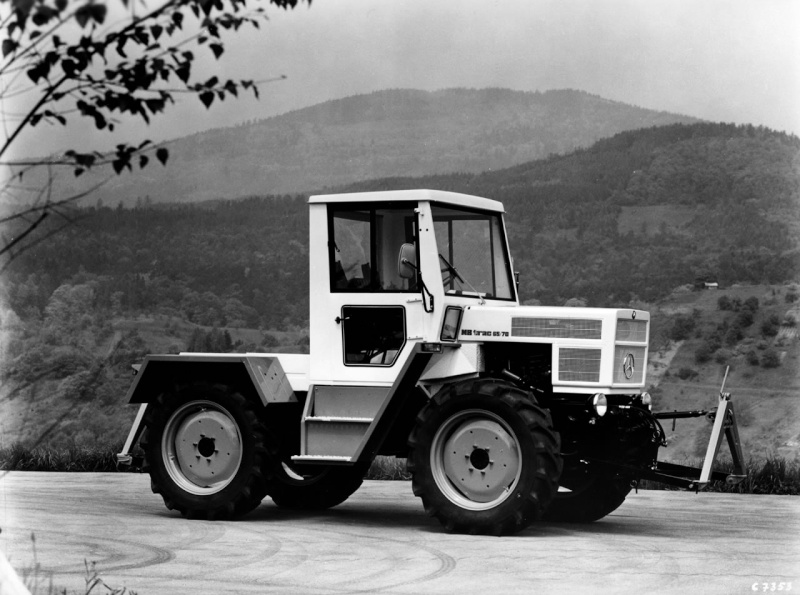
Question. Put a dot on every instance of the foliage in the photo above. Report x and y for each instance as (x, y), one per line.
(771, 326)
(770, 358)
(703, 353)
(682, 327)
(213, 341)
(80, 60)
(388, 468)
(244, 263)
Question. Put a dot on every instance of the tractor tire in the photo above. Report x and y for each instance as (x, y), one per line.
(205, 447)
(592, 494)
(314, 487)
(484, 458)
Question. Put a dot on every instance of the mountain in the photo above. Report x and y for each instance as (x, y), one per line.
(382, 134)
(643, 218)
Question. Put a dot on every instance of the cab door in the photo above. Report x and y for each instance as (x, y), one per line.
(372, 315)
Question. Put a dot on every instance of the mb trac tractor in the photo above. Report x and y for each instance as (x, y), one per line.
(419, 348)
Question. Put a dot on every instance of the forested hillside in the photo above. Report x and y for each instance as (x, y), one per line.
(627, 220)
(397, 132)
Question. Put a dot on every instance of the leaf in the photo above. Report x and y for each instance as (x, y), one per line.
(82, 16)
(212, 82)
(162, 155)
(183, 70)
(9, 45)
(78, 171)
(143, 159)
(217, 49)
(68, 66)
(156, 31)
(61, 5)
(43, 15)
(38, 72)
(98, 12)
(207, 98)
(155, 105)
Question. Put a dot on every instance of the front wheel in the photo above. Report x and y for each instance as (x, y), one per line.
(484, 458)
(206, 452)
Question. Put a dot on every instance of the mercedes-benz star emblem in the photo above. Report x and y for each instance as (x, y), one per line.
(628, 366)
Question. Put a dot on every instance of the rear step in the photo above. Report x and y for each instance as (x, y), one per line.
(336, 420)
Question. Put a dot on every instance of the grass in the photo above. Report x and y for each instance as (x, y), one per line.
(40, 582)
(20, 458)
(772, 475)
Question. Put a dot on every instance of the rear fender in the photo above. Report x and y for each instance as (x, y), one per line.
(257, 377)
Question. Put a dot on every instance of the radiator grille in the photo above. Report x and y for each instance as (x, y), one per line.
(634, 331)
(556, 328)
(579, 365)
(639, 364)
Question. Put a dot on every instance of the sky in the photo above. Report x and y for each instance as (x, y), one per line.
(732, 60)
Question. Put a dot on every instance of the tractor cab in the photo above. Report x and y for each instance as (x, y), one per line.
(391, 269)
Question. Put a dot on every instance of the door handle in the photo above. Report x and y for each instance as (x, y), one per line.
(339, 320)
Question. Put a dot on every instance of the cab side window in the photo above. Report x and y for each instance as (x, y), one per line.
(364, 245)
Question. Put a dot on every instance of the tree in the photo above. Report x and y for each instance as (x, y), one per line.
(63, 60)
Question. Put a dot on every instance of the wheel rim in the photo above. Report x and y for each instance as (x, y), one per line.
(476, 459)
(202, 447)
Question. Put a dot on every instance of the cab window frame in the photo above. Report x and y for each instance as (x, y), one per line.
(369, 212)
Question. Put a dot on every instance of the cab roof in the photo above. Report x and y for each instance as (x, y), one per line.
(436, 196)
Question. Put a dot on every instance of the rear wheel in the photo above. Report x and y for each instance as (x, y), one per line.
(484, 458)
(587, 494)
(314, 487)
(206, 449)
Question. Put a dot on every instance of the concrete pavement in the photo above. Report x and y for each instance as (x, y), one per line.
(381, 541)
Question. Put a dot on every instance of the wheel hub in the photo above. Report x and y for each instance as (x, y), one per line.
(207, 447)
(481, 459)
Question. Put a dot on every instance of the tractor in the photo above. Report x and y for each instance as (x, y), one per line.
(419, 349)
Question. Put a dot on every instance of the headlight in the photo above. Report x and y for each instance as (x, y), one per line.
(600, 404)
(647, 400)
(452, 320)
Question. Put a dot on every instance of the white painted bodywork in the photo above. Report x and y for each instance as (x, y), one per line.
(484, 321)
(327, 365)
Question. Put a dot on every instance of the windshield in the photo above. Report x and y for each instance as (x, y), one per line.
(472, 253)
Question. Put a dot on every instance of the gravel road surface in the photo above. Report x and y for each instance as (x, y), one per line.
(381, 541)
